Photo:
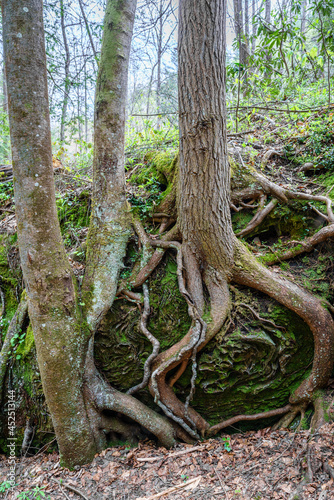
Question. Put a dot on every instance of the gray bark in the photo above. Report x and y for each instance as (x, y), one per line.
(60, 340)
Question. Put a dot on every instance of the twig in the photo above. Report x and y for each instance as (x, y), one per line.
(263, 320)
(220, 481)
(171, 490)
(71, 488)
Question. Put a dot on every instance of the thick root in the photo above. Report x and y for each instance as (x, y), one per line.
(248, 271)
(239, 418)
(289, 417)
(196, 338)
(101, 397)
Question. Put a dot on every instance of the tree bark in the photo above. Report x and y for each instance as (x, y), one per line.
(210, 254)
(60, 340)
(110, 220)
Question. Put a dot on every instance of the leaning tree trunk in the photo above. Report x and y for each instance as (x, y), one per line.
(61, 342)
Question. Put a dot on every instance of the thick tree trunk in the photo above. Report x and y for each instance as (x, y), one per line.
(204, 205)
(210, 253)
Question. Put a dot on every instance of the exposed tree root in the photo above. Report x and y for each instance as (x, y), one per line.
(319, 416)
(3, 301)
(281, 194)
(263, 320)
(306, 245)
(101, 397)
(238, 418)
(155, 343)
(287, 419)
(196, 338)
(248, 271)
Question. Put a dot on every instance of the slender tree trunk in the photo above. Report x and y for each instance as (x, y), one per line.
(159, 61)
(5, 139)
(254, 25)
(303, 16)
(67, 73)
(267, 11)
(88, 31)
(247, 23)
(61, 342)
(110, 219)
(240, 34)
(86, 107)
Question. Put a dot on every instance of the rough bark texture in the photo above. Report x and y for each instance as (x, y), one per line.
(204, 205)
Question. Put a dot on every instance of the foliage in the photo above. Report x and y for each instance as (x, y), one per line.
(37, 494)
(5, 485)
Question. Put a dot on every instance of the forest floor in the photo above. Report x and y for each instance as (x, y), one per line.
(255, 465)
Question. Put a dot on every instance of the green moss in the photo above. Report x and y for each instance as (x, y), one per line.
(25, 348)
(251, 369)
(10, 278)
(157, 167)
(120, 333)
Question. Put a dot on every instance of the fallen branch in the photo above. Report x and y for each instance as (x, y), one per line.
(171, 455)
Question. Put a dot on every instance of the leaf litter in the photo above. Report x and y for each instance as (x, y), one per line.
(261, 465)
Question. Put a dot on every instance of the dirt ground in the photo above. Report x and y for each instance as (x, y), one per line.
(256, 465)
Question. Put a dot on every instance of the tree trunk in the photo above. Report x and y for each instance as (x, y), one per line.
(210, 254)
(61, 341)
(110, 220)
(159, 61)
(240, 33)
(267, 11)
(254, 25)
(303, 16)
(67, 73)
